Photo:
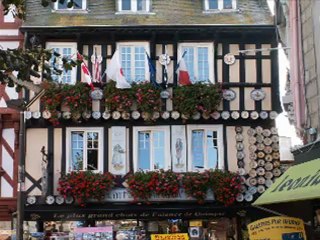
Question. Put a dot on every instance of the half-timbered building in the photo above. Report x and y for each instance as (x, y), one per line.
(10, 37)
(230, 43)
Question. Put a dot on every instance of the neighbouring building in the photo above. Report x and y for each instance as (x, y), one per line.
(218, 42)
(298, 24)
(10, 37)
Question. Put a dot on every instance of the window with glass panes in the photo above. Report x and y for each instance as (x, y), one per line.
(205, 148)
(77, 4)
(134, 62)
(85, 152)
(199, 61)
(151, 148)
(66, 50)
(134, 5)
(220, 4)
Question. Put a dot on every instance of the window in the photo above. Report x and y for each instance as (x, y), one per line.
(205, 147)
(77, 5)
(219, 4)
(67, 50)
(134, 5)
(151, 148)
(84, 149)
(133, 61)
(199, 60)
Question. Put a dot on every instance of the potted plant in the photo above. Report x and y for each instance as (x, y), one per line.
(84, 185)
(198, 97)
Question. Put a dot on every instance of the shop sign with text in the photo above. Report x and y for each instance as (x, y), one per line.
(277, 228)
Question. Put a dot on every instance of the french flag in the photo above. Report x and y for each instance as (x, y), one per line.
(182, 71)
(85, 71)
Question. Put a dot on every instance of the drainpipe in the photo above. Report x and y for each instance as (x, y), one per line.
(21, 178)
(297, 68)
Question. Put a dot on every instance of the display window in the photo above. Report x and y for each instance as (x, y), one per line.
(222, 228)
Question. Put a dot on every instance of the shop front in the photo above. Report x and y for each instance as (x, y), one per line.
(133, 221)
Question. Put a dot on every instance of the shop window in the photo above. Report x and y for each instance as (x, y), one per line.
(77, 5)
(199, 60)
(205, 147)
(84, 149)
(223, 5)
(67, 50)
(151, 148)
(134, 61)
(134, 6)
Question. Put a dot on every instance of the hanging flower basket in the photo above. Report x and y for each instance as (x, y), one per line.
(198, 97)
(84, 185)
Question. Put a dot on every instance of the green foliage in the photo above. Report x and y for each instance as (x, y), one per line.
(30, 63)
(198, 97)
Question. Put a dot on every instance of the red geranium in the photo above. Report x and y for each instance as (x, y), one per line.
(225, 185)
(84, 185)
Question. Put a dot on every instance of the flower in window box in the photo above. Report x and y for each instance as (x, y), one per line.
(167, 183)
(198, 97)
(116, 99)
(147, 98)
(141, 185)
(225, 186)
(74, 97)
(84, 185)
(196, 185)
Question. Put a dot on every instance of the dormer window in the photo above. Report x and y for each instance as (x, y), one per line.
(77, 5)
(210, 5)
(134, 6)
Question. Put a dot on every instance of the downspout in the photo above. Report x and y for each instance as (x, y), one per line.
(297, 67)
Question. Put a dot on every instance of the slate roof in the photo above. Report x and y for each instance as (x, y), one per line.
(164, 12)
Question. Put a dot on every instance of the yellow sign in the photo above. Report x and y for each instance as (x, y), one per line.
(195, 223)
(277, 228)
(175, 236)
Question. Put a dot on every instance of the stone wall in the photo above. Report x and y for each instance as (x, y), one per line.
(310, 27)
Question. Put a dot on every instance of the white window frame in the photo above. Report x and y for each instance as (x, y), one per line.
(167, 156)
(146, 46)
(219, 130)
(73, 46)
(69, 147)
(56, 5)
(210, 46)
(134, 7)
(220, 6)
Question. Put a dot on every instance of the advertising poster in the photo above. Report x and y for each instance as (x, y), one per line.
(176, 236)
(104, 233)
(277, 228)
